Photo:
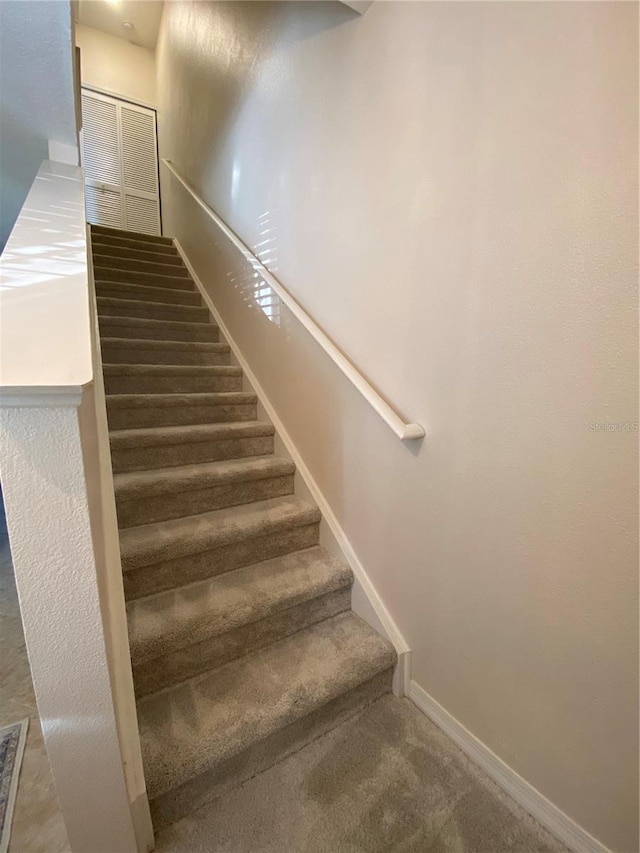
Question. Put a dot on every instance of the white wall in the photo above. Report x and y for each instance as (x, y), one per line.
(450, 190)
(116, 66)
(36, 96)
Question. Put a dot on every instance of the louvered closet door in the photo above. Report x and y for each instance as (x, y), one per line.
(101, 161)
(140, 169)
(119, 157)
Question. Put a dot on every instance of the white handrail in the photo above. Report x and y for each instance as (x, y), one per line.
(404, 431)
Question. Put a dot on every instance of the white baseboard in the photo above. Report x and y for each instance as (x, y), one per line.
(376, 614)
(542, 809)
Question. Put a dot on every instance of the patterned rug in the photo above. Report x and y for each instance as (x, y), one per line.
(12, 740)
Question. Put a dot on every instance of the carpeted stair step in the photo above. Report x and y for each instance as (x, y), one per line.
(225, 726)
(173, 283)
(107, 231)
(160, 330)
(136, 277)
(112, 253)
(170, 378)
(108, 262)
(106, 243)
(179, 634)
(110, 307)
(144, 497)
(129, 411)
(173, 553)
(133, 351)
(160, 447)
(145, 292)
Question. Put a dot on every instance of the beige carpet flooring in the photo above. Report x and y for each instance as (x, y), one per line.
(387, 780)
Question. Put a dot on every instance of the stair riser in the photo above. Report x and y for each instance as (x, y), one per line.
(114, 246)
(101, 262)
(203, 332)
(152, 311)
(171, 384)
(146, 509)
(178, 285)
(135, 277)
(167, 455)
(124, 355)
(176, 666)
(116, 290)
(108, 231)
(179, 416)
(207, 564)
(169, 807)
(161, 255)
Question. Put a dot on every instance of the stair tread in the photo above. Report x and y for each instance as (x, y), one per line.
(131, 235)
(152, 436)
(148, 275)
(152, 343)
(114, 240)
(187, 615)
(187, 398)
(152, 322)
(107, 261)
(201, 475)
(112, 245)
(192, 534)
(142, 369)
(145, 292)
(116, 302)
(144, 279)
(148, 252)
(104, 275)
(189, 728)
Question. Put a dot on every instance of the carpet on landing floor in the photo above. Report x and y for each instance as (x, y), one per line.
(386, 780)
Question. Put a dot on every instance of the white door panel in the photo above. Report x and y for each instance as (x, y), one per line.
(104, 207)
(101, 145)
(119, 157)
(142, 214)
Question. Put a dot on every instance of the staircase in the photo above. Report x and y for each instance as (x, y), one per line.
(243, 644)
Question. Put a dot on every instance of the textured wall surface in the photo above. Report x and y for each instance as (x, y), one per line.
(116, 65)
(45, 496)
(451, 191)
(36, 95)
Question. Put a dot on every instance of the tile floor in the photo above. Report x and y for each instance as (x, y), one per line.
(37, 823)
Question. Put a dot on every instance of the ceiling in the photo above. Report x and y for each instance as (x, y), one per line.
(109, 16)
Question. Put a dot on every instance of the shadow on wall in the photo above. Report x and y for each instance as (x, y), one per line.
(4, 534)
(20, 157)
(209, 27)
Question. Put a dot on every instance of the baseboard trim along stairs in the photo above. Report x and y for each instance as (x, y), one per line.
(244, 645)
(546, 813)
